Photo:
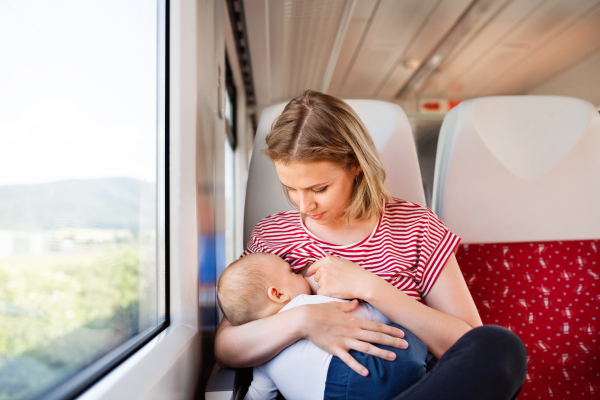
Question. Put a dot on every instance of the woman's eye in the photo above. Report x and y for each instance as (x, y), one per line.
(320, 190)
(289, 189)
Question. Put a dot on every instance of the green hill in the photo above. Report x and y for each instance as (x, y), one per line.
(106, 203)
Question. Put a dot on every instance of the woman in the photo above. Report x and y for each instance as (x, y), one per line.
(363, 244)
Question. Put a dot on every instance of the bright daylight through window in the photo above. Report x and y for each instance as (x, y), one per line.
(82, 188)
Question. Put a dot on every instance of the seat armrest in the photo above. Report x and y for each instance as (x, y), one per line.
(228, 383)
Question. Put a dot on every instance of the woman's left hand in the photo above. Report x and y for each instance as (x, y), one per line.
(340, 278)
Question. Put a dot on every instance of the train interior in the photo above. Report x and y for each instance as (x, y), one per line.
(485, 111)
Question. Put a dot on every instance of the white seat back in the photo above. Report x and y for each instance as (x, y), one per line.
(389, 127)
(519, 169)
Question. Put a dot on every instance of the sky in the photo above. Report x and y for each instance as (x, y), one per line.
(77, 90)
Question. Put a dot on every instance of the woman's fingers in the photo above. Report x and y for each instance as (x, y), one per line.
(338, 277)
(314, 267)
(385, 338)
(368, 348)
(352, 363)
(338, 332)
(346, 306)
(377, 327)
(373, 332)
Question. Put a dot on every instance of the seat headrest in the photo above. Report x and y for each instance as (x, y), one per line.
(519, 168)
(390, 129)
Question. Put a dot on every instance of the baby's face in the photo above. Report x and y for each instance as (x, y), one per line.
(286, 280)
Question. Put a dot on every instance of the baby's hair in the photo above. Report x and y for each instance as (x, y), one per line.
(242, 289)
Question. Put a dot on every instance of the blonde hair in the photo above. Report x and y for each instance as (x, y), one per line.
(318, 127)
(242, 289)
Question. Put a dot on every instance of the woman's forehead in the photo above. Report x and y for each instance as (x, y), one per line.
(306, 175)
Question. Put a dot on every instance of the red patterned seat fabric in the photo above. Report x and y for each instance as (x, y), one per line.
(548, 293)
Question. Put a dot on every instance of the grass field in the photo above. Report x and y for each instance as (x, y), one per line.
(58, 313)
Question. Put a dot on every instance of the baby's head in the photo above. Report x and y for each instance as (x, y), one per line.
(256, 286)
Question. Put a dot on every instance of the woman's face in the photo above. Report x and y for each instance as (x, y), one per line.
(321, 189)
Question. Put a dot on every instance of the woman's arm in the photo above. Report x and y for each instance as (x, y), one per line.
(327, 325)
(449, 314)
(450, 310)
(451, 296)
(246, 345)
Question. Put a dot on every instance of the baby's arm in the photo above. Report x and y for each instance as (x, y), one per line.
(262, 387)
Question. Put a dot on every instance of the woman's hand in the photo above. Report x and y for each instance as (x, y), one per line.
(338, 277)
(329, 327)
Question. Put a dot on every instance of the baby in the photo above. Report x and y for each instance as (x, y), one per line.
(261, 284)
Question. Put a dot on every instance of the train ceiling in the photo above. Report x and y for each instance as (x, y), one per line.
(400, 50)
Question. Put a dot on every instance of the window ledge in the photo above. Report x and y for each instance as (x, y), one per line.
(166, 366)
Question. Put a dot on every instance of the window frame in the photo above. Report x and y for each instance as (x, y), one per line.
(76, 385)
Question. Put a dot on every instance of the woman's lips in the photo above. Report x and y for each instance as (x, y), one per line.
(317, 216)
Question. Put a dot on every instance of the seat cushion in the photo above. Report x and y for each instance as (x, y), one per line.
(548, 293)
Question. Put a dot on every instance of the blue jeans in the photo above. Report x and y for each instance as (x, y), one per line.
(487, 363)
(386, 378)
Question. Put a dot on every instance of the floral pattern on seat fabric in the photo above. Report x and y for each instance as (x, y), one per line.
(548, 293)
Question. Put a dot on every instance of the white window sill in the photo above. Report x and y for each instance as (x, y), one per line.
(160, 369)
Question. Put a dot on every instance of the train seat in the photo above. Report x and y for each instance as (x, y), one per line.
(516, 177)
(391, 131)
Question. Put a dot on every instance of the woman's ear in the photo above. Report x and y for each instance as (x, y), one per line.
(357, 168)
(277, 295)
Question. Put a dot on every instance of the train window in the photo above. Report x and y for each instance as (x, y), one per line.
(83, 190)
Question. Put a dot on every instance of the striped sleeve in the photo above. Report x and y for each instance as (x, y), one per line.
(255, 245)
(438, 243)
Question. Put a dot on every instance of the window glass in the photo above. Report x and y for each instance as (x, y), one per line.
(82, 185)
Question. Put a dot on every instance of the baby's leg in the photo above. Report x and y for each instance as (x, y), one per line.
(386, 379)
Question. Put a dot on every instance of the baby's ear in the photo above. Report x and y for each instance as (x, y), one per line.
(277, 295)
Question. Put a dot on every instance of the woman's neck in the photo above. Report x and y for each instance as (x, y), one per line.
(343, 232)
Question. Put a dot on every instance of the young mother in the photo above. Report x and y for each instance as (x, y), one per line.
(360, 243)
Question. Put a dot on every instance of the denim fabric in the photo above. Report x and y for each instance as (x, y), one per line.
(487, 363)
(386, 379)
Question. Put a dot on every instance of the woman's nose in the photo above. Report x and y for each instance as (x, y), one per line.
(306, 203)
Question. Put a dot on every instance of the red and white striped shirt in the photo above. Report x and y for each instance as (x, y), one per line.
(408, 247)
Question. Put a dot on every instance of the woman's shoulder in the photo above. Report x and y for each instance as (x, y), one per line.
(284, 220)
(273, 233)
(398, 206)
(406, 213)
